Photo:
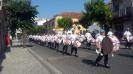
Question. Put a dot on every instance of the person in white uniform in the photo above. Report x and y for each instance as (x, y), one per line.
(73, 48)
(65, 46)
(89, 38)
(127, 35)
(110, 33)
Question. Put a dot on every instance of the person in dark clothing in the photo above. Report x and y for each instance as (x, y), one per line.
(100, 52)
(74, 49)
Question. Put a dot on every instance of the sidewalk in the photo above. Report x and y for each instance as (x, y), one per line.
(20, 61)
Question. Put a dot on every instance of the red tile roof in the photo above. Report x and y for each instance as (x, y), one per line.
(71, 14)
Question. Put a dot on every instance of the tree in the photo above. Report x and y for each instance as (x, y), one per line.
(97, 11)
(38, 29)
(21, 16)
(65, 23)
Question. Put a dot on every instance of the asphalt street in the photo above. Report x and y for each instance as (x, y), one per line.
(121, 63)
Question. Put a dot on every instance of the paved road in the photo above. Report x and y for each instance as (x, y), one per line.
(120, 64)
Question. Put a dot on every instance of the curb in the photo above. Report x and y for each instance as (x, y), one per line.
(50, 67)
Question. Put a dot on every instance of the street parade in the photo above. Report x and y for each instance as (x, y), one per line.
(104, 44)
(66, 36)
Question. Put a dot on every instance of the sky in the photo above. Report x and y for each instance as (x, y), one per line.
(50, 8)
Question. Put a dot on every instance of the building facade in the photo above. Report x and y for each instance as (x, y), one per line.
(75, 16)
(3, 24)
(123, 16)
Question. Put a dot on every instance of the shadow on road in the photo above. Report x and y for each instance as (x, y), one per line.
(88, 62)
(22, 46)
(126, 55)
(92, 63)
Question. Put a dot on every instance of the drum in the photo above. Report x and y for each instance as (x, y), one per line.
(59, 41)
(67, 42)
(77, 43)
(110, 44)
(131, 39)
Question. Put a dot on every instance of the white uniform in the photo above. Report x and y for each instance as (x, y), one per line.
(76, 41)
(64, 39)
(89, 37)
(73, 38)
(97, 35)
(110, 33)
(98, 42)
(127, 34)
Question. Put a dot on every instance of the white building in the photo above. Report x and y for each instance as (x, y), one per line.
(40, 21)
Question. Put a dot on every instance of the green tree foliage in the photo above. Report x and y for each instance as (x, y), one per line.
(65, 23)
(21, 15)
(96, 11)
(39, 29)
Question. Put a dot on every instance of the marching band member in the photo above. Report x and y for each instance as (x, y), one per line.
(127, 35)
(65, 47)
(89, 38)
(49, 41)
(52, 41)
(72, 46)
(57, 39)
(101, 53)
(110, 33)
(98, 33)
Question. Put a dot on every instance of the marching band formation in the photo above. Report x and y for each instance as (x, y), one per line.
(68, 39)
(105, 44)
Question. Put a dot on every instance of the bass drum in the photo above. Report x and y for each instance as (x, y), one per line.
(77, 44)
(67, 42)
(110, 44)
(131, 39)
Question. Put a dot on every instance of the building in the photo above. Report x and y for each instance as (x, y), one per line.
(40, 21)
(3, 24)
(123, 15)
(50, 26)
(75, 16)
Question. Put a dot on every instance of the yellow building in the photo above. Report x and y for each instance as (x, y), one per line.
(75, 16)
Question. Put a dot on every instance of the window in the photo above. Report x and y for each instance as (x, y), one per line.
(125, 11)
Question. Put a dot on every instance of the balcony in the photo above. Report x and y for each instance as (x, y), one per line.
(123, 15)
(127, 12)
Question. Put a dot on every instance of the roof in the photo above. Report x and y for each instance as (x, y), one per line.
(51, 21)
(71, 14)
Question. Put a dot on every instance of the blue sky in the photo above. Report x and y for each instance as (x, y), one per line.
(49, 8)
